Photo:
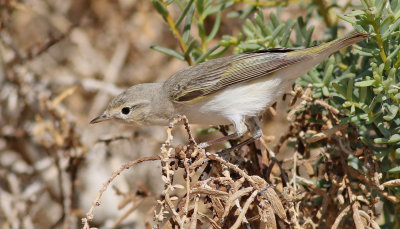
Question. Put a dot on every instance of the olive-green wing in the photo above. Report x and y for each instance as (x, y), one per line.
(213, 75)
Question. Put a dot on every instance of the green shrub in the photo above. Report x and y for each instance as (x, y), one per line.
(362, 83)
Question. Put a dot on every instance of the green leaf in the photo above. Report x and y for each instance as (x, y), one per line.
(349, 92)
(388, 64)
(309, 35)
(363, 96)
(207, 6)
(250, 26)
(274, 19)
(213, 10)
(328, 74)
(380, 6)
(246, 12)
(346, 18)
(382, 128)
(215, 28)
(276, 32)
(325, 91)
(299, 39)
(396, 8)
(354, 118)
(365, 83)
(200, 7)
(249, 47)
(353, 109)
(339, 88)
(391, 112)
(386, 23)
(395, 169)
(260, 15)
(356, 13)
(380, 140)
(344, 76)
(206, 54)
(392, 75)
(372, 105)
(188, 25)
(362, 53)
(377, 77)
(168, 52)
(261, 24)
(202, 32)
(365, 4)
(378, 89)
(307, 78)
(184, 13)
(160, 9)
(381, 68)
(190, 47)
(219, 53)
(394, 138)
(394, 53)
(249, 34)
(315, 76)
(286, 33)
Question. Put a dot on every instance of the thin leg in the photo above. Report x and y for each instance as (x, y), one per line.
(211, 142)
(243, 143)
(254, 126)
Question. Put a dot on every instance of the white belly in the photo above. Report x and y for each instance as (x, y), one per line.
(237, 101)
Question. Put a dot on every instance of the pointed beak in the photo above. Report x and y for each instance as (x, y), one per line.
(100, 118)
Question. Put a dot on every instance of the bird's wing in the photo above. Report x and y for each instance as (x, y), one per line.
(211, 76)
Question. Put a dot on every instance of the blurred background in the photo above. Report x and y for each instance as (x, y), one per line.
(60, 64)
(61, 61)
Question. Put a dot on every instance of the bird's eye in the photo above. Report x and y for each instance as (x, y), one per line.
(125, 110)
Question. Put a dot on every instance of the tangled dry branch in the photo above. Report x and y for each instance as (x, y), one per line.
(203, 189)
(215, 191)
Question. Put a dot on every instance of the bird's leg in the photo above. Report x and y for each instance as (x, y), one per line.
(253, 124)
(224, 138)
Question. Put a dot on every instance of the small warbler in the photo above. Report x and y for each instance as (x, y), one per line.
(227, 90)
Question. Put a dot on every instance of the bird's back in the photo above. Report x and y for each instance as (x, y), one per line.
(210, 76)
(196, 82)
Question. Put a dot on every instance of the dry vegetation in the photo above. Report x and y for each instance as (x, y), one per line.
(62, 61)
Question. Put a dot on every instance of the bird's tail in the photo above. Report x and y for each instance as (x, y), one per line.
(330, 47)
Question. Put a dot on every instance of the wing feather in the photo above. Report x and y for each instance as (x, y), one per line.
(213, 75)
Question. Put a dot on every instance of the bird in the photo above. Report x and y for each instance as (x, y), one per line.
(227, 90)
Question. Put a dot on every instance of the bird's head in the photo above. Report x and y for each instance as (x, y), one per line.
(131, 106)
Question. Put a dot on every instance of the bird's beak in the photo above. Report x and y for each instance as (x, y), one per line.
(100, 118)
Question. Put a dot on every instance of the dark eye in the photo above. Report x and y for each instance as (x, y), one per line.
(125, 110)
